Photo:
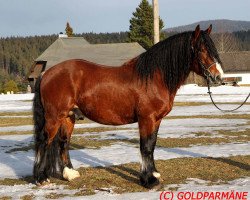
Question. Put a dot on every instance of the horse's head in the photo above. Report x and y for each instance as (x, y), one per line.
(206, 61)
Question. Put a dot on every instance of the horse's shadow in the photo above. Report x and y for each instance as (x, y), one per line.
(14, 158)
(119, 170)
(21, 162)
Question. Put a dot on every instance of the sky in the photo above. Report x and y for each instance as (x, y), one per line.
(43, 17)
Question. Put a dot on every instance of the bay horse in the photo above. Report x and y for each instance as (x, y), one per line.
(141, 90)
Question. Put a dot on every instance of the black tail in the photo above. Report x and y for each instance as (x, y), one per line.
(38, 116)
(47, 157)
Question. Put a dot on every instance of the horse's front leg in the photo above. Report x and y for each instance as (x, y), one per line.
(148, 135)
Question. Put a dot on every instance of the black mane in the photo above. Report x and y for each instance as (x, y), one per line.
(173, 57)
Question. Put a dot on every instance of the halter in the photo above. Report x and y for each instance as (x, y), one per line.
(206, 69)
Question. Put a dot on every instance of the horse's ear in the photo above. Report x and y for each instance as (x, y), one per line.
(209, 29)
(197, 33)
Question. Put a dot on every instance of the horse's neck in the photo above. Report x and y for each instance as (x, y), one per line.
(157, 79)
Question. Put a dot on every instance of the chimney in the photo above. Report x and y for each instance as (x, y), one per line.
(62, 35)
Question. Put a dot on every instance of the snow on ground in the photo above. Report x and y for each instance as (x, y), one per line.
(192, 185)
(19, 163)
(193, 89)
(105, 156)
(170, 128)
(30, 127)
(19, 191)
(208, 110)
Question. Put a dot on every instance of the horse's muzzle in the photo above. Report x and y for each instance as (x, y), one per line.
(215, 79)
(218, 79)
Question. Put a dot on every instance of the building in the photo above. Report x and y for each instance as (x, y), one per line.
(237, 66)
(65, 48)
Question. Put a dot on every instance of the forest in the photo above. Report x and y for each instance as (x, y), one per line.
(18, 53)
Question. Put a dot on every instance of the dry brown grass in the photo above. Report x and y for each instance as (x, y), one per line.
(243, 136)
(5, 198)
(204, 103)
(222, 116)
(28, 197)
(82, 142)
(17, 121)
(15, 113)
(124, 178)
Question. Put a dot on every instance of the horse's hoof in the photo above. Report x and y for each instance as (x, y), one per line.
(70, 174)
(150, 182)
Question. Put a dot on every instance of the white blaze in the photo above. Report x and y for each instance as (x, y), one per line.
(219, 68)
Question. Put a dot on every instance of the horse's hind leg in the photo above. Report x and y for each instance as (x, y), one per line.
(45, 152)
(148, 136)
(65, 135)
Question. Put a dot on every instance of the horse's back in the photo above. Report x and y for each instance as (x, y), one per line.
(97, 90)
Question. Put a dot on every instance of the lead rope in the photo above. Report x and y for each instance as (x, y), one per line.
(210, 94)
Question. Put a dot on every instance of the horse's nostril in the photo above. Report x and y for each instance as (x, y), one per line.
(218, 78)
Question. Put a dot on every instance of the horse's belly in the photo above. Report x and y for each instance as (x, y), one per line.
(109, 116)
(109, 112)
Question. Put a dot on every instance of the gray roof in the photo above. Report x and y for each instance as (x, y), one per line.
(114, 54)
(236, 62)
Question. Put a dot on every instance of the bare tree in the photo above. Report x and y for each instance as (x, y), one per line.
(225, 41)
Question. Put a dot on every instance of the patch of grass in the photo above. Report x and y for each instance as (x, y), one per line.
(204, 134)
(97, 129)
(223, 116)
(15, 121)
(124, 178)
(204, 103)
(55, 196)
(245, 133)
(5, 198)
(79, 142)
(22, 148)
(190, 103)
(15, 113)
(84, 192)
(75, 131)
(17, 133)
(173, 188)
(28, 197)
(12, 182)
(187, 142)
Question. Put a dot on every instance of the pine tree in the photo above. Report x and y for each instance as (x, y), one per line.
(69, 30)
(142, 25)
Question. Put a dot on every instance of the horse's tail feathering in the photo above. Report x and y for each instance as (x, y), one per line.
(38, 116)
